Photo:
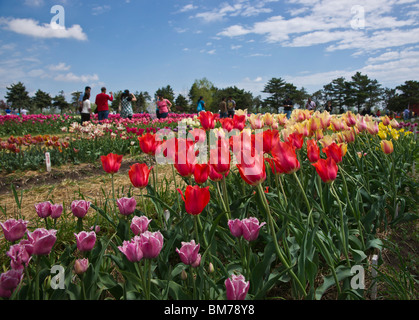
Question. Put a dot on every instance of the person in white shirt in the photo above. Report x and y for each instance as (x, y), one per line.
(310, 105)
(86, 108)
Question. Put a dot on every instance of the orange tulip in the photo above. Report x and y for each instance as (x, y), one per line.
(387, 146)
(284, 154)
(111, 163)
(334, 151)
(313, 151)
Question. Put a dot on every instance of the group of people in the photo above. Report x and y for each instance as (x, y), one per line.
(102, 106)
(227, 108)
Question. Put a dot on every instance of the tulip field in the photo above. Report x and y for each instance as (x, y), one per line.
(194, 207)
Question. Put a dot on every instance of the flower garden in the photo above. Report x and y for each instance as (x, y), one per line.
(252, 207)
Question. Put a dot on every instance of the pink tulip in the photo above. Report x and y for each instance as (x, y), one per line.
(14, 229)
(235, 227)
(139, 224)
(19, 257)
(80, 208)
(151, 244)
(188, 252)
(81, 266)
(9, 282)
(126, 206)
(236, 287)
(197, 262)
(43, 209)
(251, 228)
(41, 241)
(132, 249)
(85, 240)
(56, 211)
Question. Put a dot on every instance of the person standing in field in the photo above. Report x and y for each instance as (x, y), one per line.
(231, 107)
(102, 104)
(126, 104)
(310, 105)
(223, 108)
(288, 105)
(200, 105)
(86, 108)
(164, 107)
(86, 90)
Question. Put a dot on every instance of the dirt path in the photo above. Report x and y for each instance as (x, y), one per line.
(65, 184)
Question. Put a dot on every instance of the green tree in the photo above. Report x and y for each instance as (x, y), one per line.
(60, 103)
(244, 99)
(75, 96)
(18, 96)
(167, 93)
(142, 99)
(337, 92)
(116, 100)
(181, 104)
(41, 100)
(363, 92)
(206, 89)
(276, 89)
(407, 95)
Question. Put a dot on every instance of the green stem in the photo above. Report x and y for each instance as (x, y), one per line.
(38, 271)
(143, 201)
(226, 200)
(193, 282)
(174, 179)
(278, 250)
(305, 197)
(149, 280)
(342, 227)
(79, 224)
(195, 222)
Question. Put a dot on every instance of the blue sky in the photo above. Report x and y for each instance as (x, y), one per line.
(147, 44)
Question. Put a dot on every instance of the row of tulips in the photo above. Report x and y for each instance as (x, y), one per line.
(244, 229)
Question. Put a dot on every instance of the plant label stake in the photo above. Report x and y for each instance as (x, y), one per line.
(374, 276)
(48, 161)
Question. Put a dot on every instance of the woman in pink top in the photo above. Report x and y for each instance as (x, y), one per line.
(164, 107)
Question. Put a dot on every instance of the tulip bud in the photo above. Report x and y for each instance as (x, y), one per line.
(211, 268)
(81, 266)
(184, 275)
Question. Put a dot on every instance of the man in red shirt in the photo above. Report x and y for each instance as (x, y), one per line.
(102, 104)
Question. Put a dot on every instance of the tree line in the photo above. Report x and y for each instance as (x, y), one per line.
(359, 93)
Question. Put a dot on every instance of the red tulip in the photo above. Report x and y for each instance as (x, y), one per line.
(148, 143)
(326, 169)
(275, 167)
(227, 124)
(196, 199)
(201, 173)
(214, 175)
(270, 137)
(254, 173)
(239, 122)
(334, 151)
(220, 157)
(185, 158)
(285, 156)
(111, 163)
(138, 174)
(313, 151)
(296, 139)
(207, 120)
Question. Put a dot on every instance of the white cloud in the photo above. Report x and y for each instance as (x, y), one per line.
(71, 77)
(100, 10)
(32, 28)
(188, 7)
(59, 67)
(34, 3)
(235, 47)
